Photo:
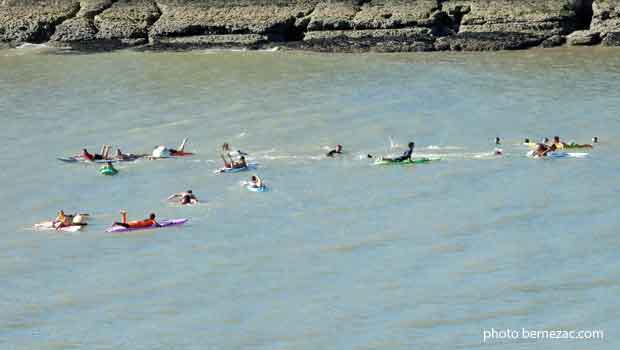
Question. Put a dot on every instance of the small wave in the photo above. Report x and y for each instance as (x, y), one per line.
(435, 147)
(393, 144)
(279, 157)
(220, 50)
(242, 50)
(368, 243)
(30, 46)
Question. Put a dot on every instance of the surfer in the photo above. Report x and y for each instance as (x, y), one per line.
(105, 149)
(557, 143)
(127, 156)
(333, 152)
(560, 145)
(406, 155)
(232, 155)
(137, 224)
(497, 141)
(108, 167)
(62, 220)
(187, 197)
(255, 182)
(165, 152)
(241, 163)
(543, 150)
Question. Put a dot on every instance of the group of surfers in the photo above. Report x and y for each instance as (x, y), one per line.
(183, 198)
(65, 220)
(407, 154)
(236, 159)
(158, 152)
(542, 149)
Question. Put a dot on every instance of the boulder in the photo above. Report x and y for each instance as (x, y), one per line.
(278, 19)
(583, 37)
(380, 40)
(539, 18)
(473, 41)
(606, 21)
(611, 39)
(33, 21)
(127, 19)
(554, 41)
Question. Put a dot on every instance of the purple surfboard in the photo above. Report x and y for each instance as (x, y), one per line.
(163, 223)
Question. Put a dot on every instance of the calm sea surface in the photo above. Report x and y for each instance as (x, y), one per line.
(338, 254)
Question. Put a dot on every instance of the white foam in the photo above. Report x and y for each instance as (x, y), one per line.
(30, 46)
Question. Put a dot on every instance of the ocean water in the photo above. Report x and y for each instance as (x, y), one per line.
(338, 253)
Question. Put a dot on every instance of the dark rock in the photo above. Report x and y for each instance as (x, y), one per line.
(75, 30)
(33, 21)
(380, 40)
(611, 39)
(488, 41)
(236, 41)
(554, 41)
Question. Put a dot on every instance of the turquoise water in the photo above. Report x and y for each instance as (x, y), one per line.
(338, 254)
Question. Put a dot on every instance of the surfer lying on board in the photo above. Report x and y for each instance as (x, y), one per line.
(333, 152)
(165, 152)
(186, 197)
(255, 182)
(406, 155)
(241, 163)
(137, 224)
(542, 150)
(128, 156)
(560, 144)
(105, 149)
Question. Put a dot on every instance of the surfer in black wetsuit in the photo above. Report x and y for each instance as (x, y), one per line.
(333, 152)
(405, 156)
(187, 197)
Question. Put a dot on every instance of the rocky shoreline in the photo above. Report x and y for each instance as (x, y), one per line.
(317, 25)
